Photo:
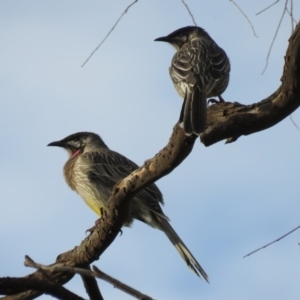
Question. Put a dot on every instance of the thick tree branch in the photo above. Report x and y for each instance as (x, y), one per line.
(231, 120)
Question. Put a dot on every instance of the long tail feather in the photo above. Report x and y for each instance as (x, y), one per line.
(198, 111)
(193, 112)
(182, 249)
(187, 117)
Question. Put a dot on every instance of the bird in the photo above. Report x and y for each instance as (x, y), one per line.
(199, 70)
(92, 170)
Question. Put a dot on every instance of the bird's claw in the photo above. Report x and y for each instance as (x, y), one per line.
(97, 222)
(215, 101)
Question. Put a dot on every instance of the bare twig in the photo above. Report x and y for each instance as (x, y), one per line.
(57, 268)
(246, 17)
(189, 11)
(291, 14)
(88, 273)
(91, 286)
(267, 7)
(293, 21)
(124, 12)
(292, 18)
(294, 123)
(123, 287)
(274, 38)
(272, 242)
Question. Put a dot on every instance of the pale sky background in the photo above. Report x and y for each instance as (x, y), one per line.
(224, 201)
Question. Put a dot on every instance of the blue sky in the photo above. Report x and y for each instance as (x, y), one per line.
(223, 201)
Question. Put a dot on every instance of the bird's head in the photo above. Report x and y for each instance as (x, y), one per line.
(78, 142)
(183, 35)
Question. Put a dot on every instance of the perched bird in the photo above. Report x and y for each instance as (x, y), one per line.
(199, 70)
(92, 171)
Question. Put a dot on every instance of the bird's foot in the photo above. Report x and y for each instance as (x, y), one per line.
(97, 222)
(215, 101)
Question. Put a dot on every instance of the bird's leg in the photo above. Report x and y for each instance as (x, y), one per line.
(90, 230)
(104, 218)
(221, 99)
(98, 221)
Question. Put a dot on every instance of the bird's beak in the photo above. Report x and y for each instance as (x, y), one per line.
(57, 144)
(162, 39)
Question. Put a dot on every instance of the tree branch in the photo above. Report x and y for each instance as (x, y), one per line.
(277, 240)
(121, 286)
(16, 285)
(225, 121)
(232, 120)
(91, 286)
(87, 273)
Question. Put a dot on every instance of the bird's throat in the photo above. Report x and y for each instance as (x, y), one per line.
(76, 153)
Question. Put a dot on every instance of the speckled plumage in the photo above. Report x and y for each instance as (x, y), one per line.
(199, 70)
(93, 174)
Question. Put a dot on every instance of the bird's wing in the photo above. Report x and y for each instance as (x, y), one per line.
(110, 167)
(219, 62)
(199, 62)
(189, 76)
(181, 69)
